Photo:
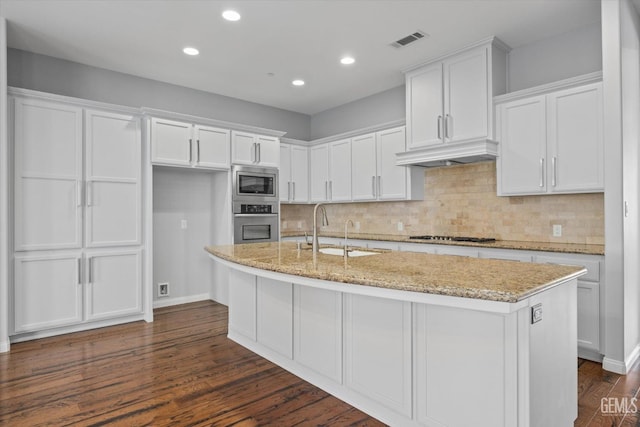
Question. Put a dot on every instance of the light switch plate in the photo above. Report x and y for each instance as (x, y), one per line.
(536, 313)
(557, 230)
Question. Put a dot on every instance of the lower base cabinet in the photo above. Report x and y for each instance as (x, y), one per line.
(274, 308)
(58, 289)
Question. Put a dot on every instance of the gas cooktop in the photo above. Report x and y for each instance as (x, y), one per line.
(455, 239)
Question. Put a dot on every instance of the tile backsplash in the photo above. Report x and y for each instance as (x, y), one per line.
(462, 201)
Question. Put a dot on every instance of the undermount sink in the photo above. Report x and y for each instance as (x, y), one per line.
(340, 252)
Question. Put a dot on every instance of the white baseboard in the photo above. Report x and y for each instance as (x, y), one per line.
(167, 302)
(620, 367)
(4, 346)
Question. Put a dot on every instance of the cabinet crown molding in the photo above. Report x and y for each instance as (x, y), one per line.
(544, 89)
(79, 102)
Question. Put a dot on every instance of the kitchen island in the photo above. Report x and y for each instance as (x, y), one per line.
(413, 339)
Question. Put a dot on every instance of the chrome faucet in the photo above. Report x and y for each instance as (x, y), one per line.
(346, 246)
(325, 221)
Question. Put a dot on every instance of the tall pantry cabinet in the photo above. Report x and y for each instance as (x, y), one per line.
(77, 214)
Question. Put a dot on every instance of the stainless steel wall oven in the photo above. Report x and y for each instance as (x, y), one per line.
(255, 204)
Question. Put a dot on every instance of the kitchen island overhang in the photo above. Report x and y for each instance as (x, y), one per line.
(409, 357)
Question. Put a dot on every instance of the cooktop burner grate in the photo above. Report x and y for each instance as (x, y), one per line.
(455, 238)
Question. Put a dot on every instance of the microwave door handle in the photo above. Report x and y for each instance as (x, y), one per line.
(259, 152)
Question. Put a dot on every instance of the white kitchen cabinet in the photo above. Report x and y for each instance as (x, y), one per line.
(113, 284)
(378, 350)
(317, 328)
(252, 149)
(242, 304)
(274, 315)
(340, 171)
(552, 143)
(48, 291)
(294, 173)
(363, 166)
(450, 100)
(48, 175)
(185, 144)
(319, 173)
(113, 179)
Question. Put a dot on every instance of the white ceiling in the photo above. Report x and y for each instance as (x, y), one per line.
(289, 38)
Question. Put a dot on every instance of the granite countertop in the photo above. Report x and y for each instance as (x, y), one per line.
(486, 279)
(572, 248)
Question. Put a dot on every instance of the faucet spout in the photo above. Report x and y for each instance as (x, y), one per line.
(325, 221)
(346, 236)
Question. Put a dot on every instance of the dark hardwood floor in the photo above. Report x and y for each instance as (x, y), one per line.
(182, 370)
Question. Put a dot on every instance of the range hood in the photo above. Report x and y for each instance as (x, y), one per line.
(450, 153)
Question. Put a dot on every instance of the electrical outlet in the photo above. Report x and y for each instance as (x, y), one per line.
(536, 313)
(357, 226)
(163, 289)
(557, 230)
(400, 226)
(183, 224)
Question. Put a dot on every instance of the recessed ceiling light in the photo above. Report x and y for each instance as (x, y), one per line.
(191, 51)
(231, 15)
(298, 82)
(347, 60)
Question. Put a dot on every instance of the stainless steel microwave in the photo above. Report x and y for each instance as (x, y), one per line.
(253, 183)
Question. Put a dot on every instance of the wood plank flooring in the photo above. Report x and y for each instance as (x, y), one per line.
(181, 370)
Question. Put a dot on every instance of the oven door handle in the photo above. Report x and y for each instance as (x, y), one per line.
(255, 215)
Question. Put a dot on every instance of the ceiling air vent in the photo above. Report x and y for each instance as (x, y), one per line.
(409, 39)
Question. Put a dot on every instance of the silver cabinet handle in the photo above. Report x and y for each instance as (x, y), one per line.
(89, 186)
(90, 270)
(326, 190)
(289, 191)
(447, 120)
(373, 186)
(541, 172)
(190, 150)
(294, 190)
(439, 127)
(254, 155)
(79, 271)
(259, 152)
(78, 193)
(331, 189)
(379, 185)
(553, 171)
(198, 151)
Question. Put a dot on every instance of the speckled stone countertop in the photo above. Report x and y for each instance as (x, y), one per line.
(571, 248)
(486, 279)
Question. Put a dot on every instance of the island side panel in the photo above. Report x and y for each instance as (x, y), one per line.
(242, 304)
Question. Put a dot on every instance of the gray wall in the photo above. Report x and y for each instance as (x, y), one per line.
(567, 55)
(47, 74)
(373, 110)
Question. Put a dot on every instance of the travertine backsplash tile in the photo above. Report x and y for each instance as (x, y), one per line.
(462, 201)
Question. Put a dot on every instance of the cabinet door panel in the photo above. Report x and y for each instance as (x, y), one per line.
(363, 161)
(522, 147)
(242, 304)
(47, 292)
(340, 171)
(378, 350)
(268, 151)
(275, 315)
(113, 214)
(467, 96)
(113, 146)
(319, 173)
(575, 138)
(392, 183)
(114, 284)
(285, 173)
(589, 315)
(318, 330)
(170, 142)
(425, 106)
(299, 174)
(212, 147)
(48, 174)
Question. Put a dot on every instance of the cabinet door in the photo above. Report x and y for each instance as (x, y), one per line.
(319, 173)
(317, 325)
(466, 99)
(113, 175)
(340, 171)
(575, 139)
(425, 106)
(268, 151)
(243, 148)
(47, 292)
(299, 174)
(363, 163)
(212, 147)
(521, 165)
(377, 339)
(48, 175)
(242, 304)
(589, 315)
(170, 142)
(285, 173)
(114, 284)
(392, 179)
(275, 315)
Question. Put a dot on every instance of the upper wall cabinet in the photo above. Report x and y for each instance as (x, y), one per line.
(552, 143)
(185, 144)
(294, 174)
(330, 171)
(252, 149)
(450, 100)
